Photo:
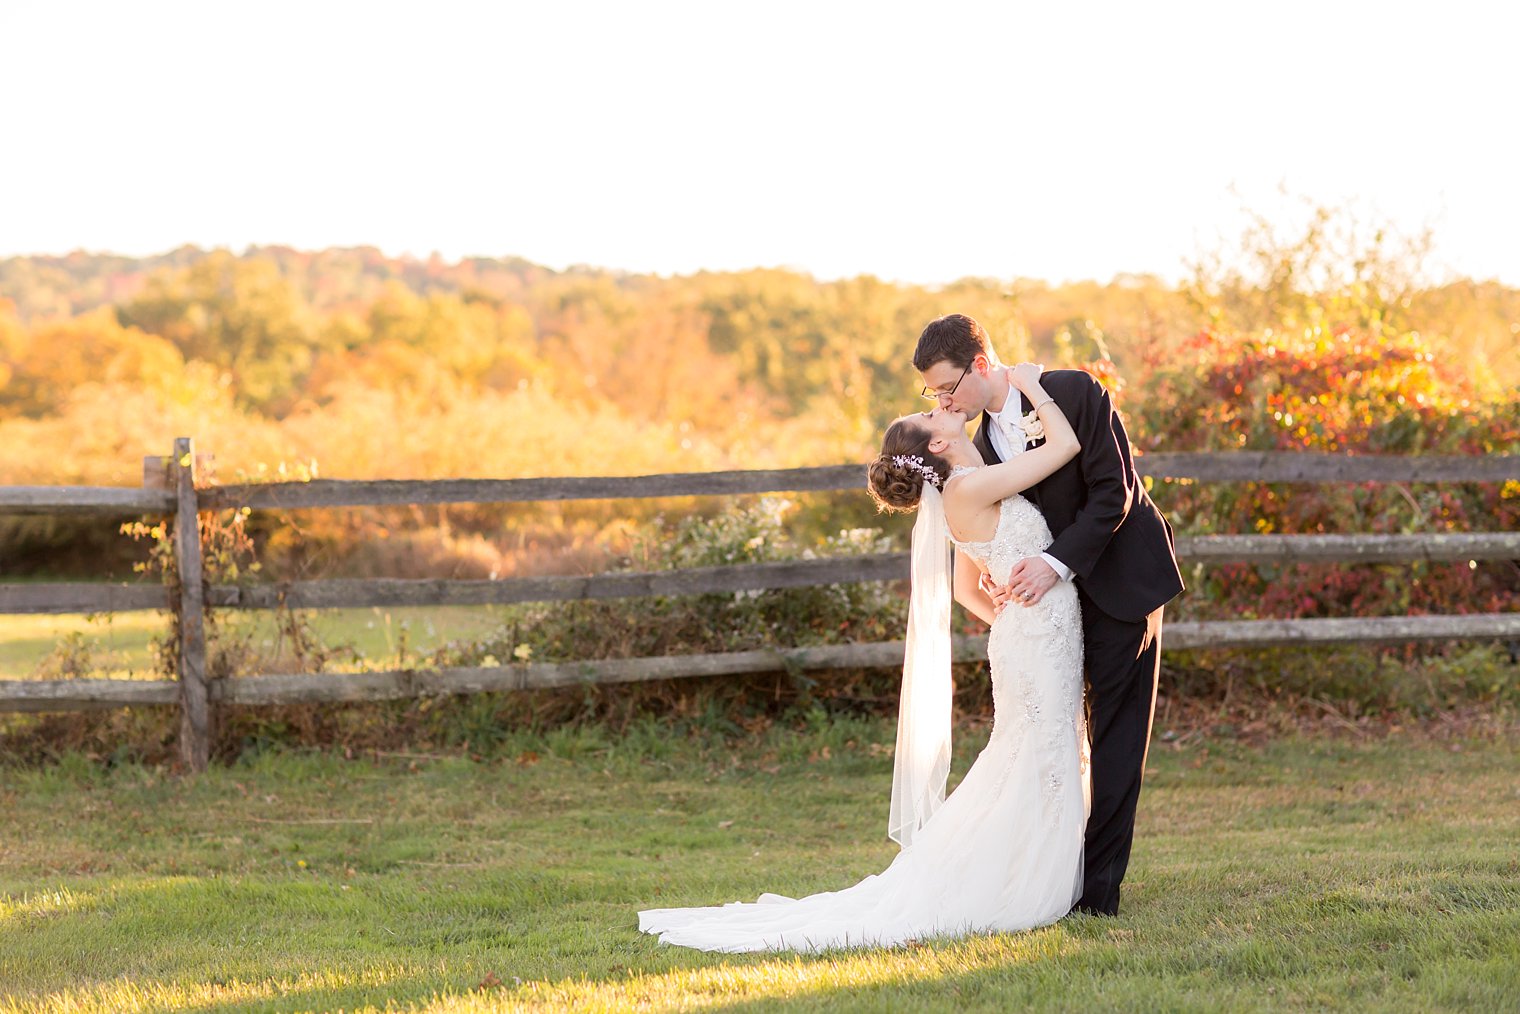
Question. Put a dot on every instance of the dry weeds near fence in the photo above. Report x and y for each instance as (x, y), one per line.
(170, 490)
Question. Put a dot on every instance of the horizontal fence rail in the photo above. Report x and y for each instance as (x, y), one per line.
(397, 684)
(393, 492)
(84, 695)
(1224, 466)
(1232, 466)
(81, 597)
(691, 581)
(115, 500)
(1291, 466)
(1335, 630)
(1430, 547)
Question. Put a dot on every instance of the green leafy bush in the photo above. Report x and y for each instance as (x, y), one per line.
(758, 532)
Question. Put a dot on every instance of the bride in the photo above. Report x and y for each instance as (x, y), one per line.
(1004, 850)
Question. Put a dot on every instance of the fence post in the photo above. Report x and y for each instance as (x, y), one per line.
(194, 730)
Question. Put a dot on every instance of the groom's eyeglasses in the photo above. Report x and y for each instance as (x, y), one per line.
(937, 395)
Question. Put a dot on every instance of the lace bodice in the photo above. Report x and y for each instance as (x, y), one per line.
(1021, 531)
(1046, 633)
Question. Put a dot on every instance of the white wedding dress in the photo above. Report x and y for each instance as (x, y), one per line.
(1004, 850)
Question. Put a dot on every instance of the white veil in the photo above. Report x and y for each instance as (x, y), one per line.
(922, 760)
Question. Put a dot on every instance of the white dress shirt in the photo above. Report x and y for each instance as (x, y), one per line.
(1008, 438)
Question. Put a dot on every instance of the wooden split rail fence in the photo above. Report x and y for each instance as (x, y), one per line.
(170, 490)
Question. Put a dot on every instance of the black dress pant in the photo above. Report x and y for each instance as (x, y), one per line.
(1122, 661)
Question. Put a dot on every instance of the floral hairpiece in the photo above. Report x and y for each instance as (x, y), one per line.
(916, 463)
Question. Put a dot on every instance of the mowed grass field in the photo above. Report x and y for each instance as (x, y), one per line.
(1302, 874)
(119, 645)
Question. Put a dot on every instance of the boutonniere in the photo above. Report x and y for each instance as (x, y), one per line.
(1034, 430)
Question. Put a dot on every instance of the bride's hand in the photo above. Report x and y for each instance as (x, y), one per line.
(1025, 376)
(1000, 594)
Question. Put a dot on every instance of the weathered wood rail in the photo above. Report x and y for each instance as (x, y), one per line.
(1228, 466)
(181, 500)
(80, 597)
(394, 684)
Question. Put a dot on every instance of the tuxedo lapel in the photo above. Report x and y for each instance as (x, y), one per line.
(1032, 494)
(983, 440)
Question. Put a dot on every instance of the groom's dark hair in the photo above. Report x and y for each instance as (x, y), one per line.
(955, 339)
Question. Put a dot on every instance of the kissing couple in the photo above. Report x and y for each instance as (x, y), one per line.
(1039, 526)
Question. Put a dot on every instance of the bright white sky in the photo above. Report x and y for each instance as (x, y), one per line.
(920, 142)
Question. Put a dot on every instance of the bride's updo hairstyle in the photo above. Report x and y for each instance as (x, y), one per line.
(895, 480)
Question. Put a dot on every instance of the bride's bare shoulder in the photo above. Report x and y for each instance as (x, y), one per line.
(958, 489)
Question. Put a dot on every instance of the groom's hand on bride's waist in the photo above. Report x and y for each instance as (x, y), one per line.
(1029, 580)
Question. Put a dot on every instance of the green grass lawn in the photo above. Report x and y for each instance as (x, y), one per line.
(1303, 874)
(119, 645)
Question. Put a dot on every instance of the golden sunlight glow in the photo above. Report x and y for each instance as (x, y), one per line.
(42, 904)
(737, 978)
(129, 996)
(758, 977)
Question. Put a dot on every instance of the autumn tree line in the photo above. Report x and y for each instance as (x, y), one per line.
(347, 363)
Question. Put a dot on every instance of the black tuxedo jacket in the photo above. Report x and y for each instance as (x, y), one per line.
(1107, 530)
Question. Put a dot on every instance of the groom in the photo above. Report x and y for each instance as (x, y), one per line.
(1109, 539)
